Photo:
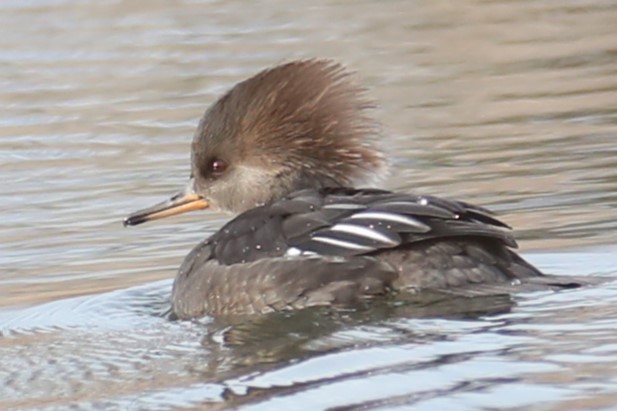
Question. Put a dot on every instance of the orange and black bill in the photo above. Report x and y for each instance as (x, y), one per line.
(180, 203)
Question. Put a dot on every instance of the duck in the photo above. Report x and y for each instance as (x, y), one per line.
(284, 151)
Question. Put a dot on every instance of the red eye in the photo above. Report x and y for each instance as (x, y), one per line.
(218, 166)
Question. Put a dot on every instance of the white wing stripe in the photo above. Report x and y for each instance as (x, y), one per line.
(295, 252)
(395, 218)
(344, 206)
(363, 232)
(342, 244)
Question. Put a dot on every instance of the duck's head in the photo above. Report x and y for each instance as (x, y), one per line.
(298, 125)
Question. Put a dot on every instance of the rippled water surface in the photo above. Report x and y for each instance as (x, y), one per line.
(508, 104)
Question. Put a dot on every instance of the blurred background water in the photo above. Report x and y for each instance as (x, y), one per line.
(507, 104)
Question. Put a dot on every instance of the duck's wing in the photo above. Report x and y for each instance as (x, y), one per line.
(361, 222)
(348, 222)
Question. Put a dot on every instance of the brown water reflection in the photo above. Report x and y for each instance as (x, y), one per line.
(509, 104)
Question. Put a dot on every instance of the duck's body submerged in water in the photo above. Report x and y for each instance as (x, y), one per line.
(283, 149)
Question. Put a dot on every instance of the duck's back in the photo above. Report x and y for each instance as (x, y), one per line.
(334, 246)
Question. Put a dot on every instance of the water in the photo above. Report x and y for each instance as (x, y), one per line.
(508, 104)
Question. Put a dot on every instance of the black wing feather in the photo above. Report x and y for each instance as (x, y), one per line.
(322, 222)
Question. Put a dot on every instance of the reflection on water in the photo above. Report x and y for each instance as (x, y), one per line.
(508, 104)
(117, 350)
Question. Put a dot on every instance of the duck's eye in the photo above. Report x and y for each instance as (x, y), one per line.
(217, 167)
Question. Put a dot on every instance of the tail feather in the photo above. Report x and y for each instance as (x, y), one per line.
(530, 284)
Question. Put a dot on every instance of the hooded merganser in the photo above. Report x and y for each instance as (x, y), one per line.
(282, 149)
